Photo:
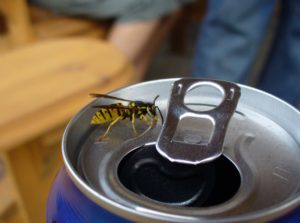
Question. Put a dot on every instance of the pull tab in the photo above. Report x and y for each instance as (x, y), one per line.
(192, 153)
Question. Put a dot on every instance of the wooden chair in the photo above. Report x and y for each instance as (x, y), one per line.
(42, 86)
(17, 21)
(25, 24)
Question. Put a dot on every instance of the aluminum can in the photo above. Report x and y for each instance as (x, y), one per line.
(253, 177)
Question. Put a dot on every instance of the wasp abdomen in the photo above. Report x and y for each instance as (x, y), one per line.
(105, 115)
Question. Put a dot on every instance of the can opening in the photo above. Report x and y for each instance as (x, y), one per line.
(146, 173)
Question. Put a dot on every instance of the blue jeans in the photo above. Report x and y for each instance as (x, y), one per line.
(231, 36)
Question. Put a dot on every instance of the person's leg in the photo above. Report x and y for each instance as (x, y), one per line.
(139, 27)
(140, 40)
(130, 37)
(281, 76)
(230, 37)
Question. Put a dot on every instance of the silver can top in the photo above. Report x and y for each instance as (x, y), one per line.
(260, 151)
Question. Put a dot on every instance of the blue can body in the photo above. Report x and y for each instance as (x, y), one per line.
(66, 204)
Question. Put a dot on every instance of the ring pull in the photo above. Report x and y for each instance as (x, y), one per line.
(219, 116)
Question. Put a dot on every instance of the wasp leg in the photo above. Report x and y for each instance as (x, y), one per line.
(133, 124)
(153, 118)
(109, 127)
(152, 124)
(145, 119)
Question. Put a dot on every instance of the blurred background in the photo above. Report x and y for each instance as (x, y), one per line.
(54, 53)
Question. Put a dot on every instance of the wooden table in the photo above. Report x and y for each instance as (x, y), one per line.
(42, 86)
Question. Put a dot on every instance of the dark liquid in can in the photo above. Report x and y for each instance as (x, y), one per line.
(148, 174)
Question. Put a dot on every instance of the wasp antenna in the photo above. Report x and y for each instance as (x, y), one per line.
(93, 95)
(155, 99)
(161, 116)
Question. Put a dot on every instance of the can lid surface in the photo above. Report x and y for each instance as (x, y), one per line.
(261, 148)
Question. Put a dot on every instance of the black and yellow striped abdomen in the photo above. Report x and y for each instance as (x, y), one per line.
(106, 115)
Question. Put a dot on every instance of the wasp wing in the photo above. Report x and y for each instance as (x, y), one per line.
(95, 95)
(114, 106)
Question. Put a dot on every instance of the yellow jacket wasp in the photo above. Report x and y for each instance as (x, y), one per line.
(113, 113)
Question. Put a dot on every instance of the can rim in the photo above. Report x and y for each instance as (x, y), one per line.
(265, 214)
